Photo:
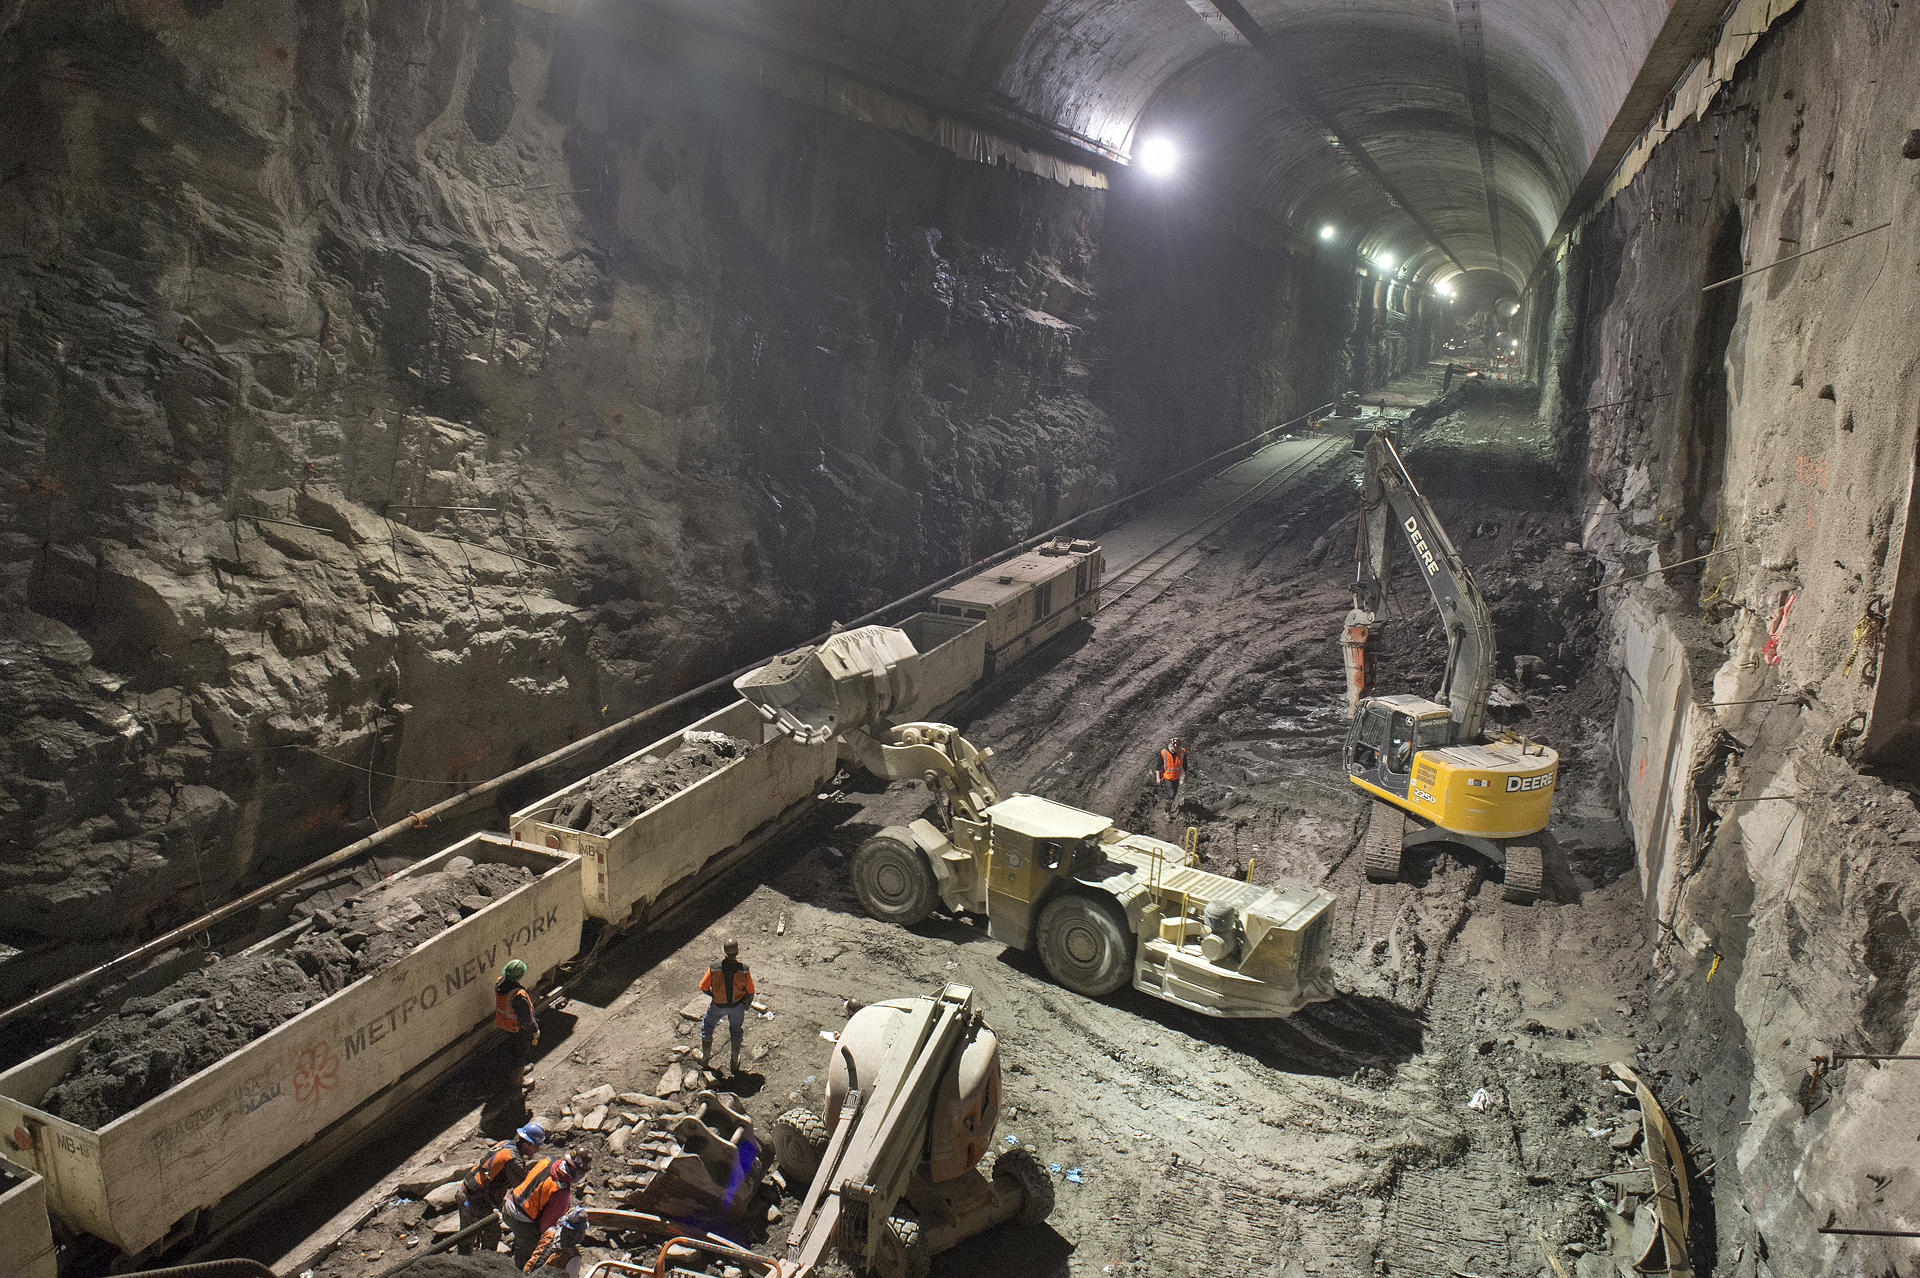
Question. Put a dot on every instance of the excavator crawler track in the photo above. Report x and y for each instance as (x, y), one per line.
(1526, 875)
(1381, 848)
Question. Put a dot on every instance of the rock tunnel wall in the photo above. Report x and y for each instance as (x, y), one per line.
(393, 392)
(1765, 737)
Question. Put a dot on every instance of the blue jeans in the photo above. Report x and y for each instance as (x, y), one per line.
(736, 1020)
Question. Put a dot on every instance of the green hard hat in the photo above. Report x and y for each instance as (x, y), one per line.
(514, 970)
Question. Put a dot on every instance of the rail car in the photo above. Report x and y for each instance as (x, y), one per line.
(188, 1168)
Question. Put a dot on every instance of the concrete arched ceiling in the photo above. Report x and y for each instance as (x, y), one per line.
(1448, 133)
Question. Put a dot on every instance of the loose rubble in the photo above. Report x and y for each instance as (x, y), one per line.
(159, 1041)
(618, 795)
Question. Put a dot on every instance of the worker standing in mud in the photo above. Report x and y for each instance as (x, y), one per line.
(729, 984)
(1169, 770)
(486, 1187)
(506, 1107)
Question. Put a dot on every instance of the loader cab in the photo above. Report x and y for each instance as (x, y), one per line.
(1386, 734)
(1036, 845)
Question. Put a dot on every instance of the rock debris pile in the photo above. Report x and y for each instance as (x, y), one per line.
(620, 794)
(157, 1042)
(365, 934)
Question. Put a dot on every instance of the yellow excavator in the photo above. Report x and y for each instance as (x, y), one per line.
(1433, 775)
(1101, 906)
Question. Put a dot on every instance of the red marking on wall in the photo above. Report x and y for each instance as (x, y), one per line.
(327, 816)
(1643, 767)
(1812, 472)
(1771, 653)
(467, 760)
(317, 1070)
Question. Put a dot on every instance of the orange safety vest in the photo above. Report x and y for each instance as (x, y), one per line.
(553, 1251)
(504, 1015)
(535, 1191)
(484, 1180)
(728, 988)
(1173, 764)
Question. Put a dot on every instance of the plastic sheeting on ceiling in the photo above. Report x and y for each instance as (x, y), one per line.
(1480, 114)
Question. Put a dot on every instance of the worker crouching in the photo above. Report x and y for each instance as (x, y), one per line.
(729, 984)
(485, 1189)
(559, 1247)
(541, 1200)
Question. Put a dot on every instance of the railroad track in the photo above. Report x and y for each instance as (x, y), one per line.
(1121, 584)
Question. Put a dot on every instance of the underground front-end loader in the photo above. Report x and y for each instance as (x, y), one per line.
(1435, 778)
(1100, 906)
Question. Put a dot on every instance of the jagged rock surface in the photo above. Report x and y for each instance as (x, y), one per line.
(393, 393)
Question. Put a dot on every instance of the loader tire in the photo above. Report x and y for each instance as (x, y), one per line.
(916, 1260)
(893, 881)
(1526, 875)
(1085, 944)
(1382, 843)
(1036, 1187)
(800, 1140)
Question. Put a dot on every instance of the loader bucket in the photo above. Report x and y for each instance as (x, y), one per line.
(707, 1169)
(858, 678)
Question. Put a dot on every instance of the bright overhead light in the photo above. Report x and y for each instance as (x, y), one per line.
(1384, 261)
(1158, 156)
(1516, 341)
(1326, 232)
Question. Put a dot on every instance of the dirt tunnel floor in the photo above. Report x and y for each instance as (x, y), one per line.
(1344, 1141)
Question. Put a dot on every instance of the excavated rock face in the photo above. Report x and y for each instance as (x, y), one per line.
(1766, 714)
(392, 392)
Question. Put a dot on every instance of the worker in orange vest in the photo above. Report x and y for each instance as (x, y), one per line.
(559, 1247)
(491, 1179)
(506, 1107)
(729, 984)
(542, 1199)
(1169, 769)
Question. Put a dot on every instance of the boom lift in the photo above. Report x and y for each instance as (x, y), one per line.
(1433, 776)
(913, 1097)
(1100, 905)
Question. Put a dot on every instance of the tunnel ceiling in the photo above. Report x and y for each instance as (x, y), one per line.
(1448, 133)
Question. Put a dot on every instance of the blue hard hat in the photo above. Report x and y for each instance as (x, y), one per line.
(533, 1134)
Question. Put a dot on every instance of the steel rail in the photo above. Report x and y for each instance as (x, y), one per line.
(1216, 517)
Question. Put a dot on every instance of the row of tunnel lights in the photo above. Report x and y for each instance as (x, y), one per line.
(1158, 157)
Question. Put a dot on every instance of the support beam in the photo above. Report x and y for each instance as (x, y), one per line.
(1473, 58)
(1689, 32)
(1311, 107)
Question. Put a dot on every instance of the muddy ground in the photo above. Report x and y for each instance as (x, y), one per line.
(1345, 1140)
(161, 1040)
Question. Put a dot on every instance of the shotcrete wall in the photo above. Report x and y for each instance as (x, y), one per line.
(390, 393)
(1765, 693)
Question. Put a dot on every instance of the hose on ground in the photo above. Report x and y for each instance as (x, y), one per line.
(235, 1268)
(451, 1240)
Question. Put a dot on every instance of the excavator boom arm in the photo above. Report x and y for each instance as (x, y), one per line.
(1389, 496)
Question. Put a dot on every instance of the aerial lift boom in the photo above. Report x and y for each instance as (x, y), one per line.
(891, 1174)
(1433, 776)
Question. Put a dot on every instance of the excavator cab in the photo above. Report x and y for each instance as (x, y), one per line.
(1386, 736)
